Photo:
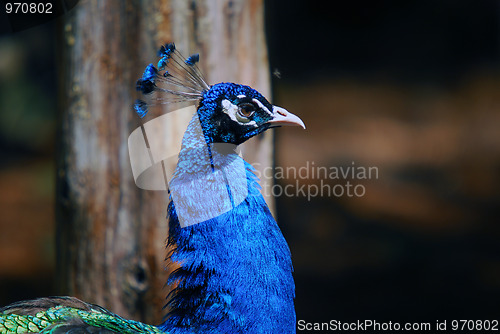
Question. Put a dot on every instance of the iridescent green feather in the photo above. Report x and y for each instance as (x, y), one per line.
(13, 323)
(63, 318)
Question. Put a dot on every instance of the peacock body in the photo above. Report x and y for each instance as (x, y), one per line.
(235, 270)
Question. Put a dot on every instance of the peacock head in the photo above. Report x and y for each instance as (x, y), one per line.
(232, 113)
(228, 112)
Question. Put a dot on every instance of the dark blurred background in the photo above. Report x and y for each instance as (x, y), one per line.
(410, 87)
(28, 110)
(413, 88)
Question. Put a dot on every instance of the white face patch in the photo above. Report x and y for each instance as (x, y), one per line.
(230, 109)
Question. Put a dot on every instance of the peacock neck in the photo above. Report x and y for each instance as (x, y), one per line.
(235, 266)
(235, 272)
(209, 179)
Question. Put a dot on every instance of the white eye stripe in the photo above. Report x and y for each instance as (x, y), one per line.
(263, 107)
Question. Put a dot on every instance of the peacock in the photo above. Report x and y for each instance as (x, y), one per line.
(234, 270)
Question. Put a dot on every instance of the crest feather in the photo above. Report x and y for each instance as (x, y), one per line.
(176, 79)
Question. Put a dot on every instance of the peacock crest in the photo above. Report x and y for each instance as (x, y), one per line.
(175, 79)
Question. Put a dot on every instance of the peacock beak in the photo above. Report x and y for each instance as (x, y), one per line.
(283, 117)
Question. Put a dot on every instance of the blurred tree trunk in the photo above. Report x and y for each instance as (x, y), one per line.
(111, 234)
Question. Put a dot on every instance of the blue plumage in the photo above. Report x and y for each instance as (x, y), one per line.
(193, 59)
(165, 53)
(235, 268)
(236, 272)
(217, 127)
(140, 108)
(146, 84)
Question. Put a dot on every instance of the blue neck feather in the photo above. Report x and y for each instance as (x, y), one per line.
(235, 272)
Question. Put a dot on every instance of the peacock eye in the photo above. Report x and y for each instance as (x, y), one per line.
(246, 109)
